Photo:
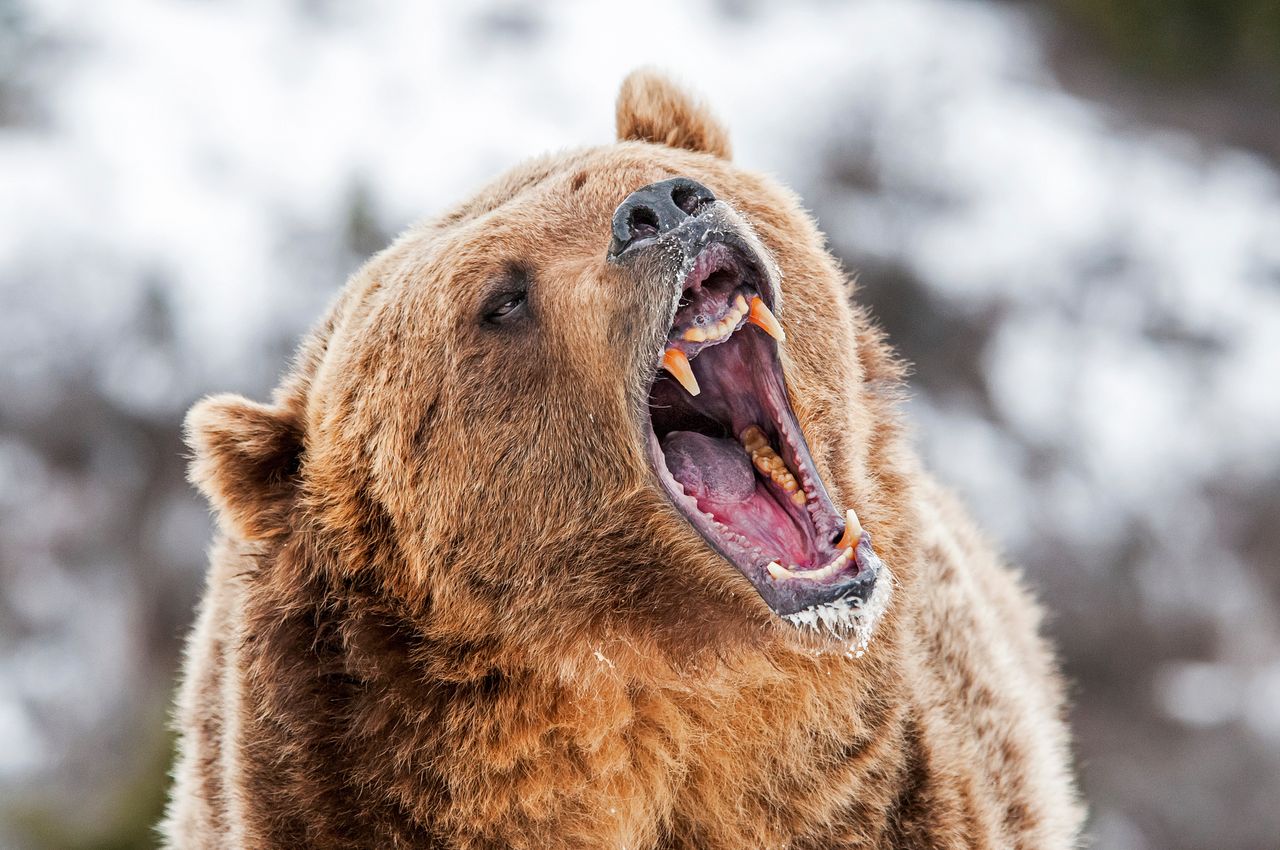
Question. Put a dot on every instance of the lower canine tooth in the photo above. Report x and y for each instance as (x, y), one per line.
(676, 362)
(852, 531)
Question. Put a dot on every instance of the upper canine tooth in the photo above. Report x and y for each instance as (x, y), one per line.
(676, 362)
(764, 319)
(852, 531)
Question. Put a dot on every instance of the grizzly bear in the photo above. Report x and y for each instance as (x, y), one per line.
(585, 518)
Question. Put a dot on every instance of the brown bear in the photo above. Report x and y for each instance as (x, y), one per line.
(585, 519)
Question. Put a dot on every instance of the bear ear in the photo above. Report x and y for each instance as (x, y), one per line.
(651, 108)
(246, 461)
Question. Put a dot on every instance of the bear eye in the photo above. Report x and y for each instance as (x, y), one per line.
(506, 308)
(510, 300)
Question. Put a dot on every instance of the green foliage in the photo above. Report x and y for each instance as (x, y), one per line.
(1186, 40)
(138, 805)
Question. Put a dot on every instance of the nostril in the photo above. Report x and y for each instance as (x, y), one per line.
(652, 211)
(643, 223)
(690, 200)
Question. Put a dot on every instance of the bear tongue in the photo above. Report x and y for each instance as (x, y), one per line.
(717, 473)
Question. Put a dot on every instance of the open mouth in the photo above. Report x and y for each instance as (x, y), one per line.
(731, 457)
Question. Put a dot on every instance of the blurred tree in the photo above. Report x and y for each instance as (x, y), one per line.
(1186, 41)
(135, 807)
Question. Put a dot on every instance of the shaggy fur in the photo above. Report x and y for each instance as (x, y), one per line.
(449, 607)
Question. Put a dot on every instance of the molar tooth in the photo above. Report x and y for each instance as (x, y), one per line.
(852, 531)
(753, 439)
(797, 499)
(676, 362)
(764, 319)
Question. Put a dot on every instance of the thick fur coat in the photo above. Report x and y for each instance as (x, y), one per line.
(449, 607)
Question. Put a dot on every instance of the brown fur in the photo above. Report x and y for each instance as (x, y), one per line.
(448, 606)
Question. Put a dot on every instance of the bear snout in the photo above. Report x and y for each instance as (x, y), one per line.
(655, 210)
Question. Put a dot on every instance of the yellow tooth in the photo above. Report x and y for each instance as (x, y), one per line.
(852, 531)
(778, 571)
(770, 463)
(676, 362)
(764, 319)
(753, 439)
(740, 305)
(695, 335)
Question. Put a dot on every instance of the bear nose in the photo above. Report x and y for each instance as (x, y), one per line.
(655, 209)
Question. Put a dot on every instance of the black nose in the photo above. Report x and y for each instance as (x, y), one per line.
(655, 209)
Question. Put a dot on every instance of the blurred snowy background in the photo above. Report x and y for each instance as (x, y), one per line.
(1067, 214)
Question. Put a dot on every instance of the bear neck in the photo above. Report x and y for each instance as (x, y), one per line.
(347, 695)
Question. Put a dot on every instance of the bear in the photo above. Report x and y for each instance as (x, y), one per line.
(586, 517)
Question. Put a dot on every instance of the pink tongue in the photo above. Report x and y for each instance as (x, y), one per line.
(715, 472)
(719, 475)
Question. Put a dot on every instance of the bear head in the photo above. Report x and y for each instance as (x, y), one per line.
(622, 394)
